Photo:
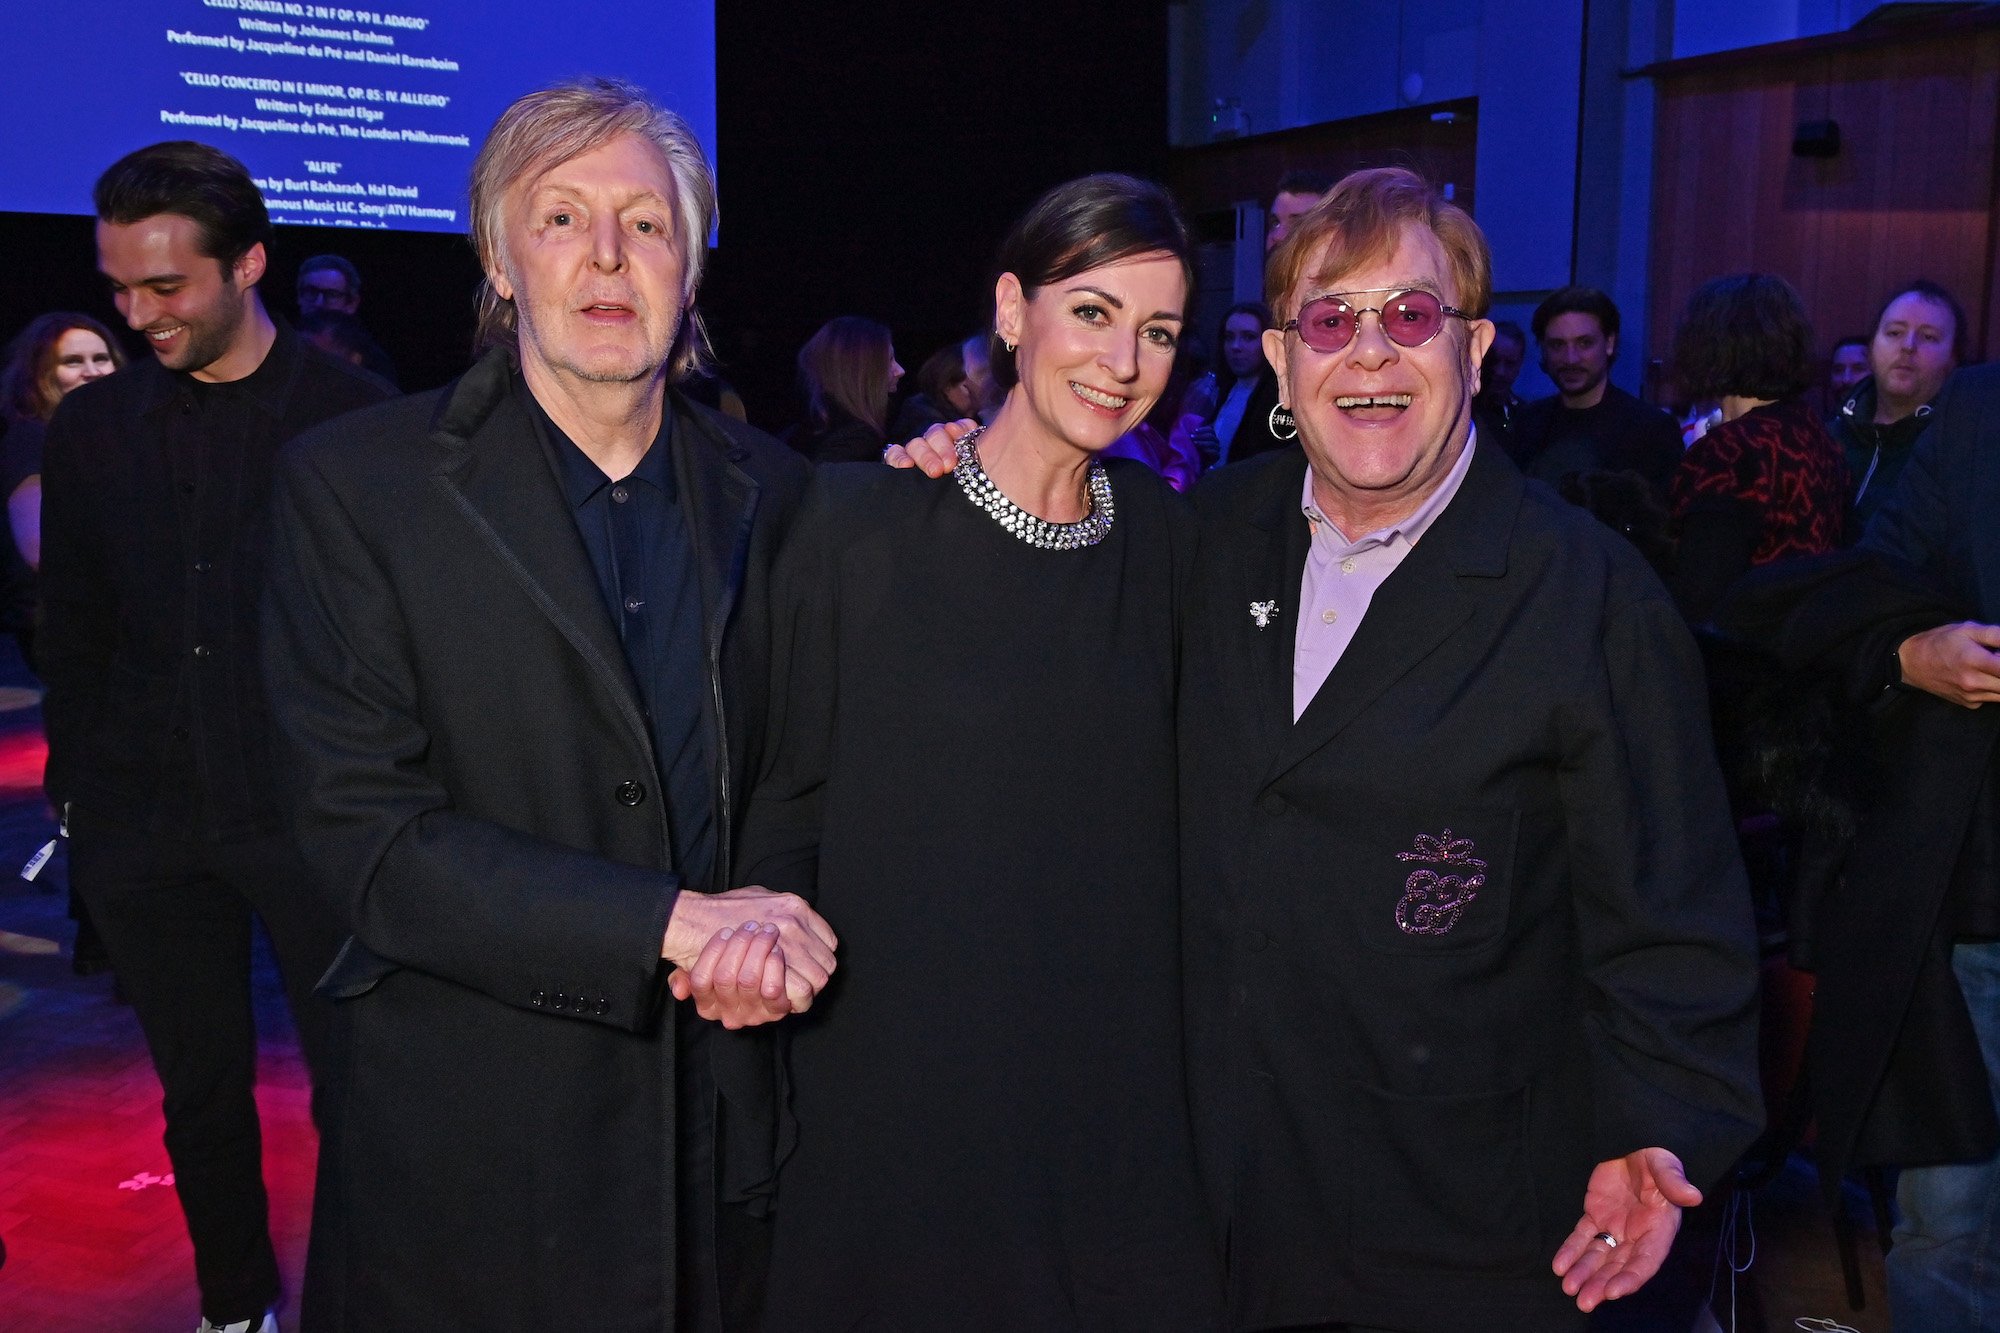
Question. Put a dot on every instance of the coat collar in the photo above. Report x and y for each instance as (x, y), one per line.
(1414, 611)
(492, 460)
(495, 466)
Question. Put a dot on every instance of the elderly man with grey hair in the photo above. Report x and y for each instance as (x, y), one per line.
(514, 653)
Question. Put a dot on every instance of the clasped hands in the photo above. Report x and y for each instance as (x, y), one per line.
(747, 956)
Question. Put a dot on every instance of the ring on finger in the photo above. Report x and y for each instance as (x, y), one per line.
(1610, 1241)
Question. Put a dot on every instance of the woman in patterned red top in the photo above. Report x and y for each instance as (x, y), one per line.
(1769, 482)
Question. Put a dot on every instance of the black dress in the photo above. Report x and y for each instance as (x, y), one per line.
(975, 761)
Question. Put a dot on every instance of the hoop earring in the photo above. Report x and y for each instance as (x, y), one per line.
(1009, 346)
(1284, 425)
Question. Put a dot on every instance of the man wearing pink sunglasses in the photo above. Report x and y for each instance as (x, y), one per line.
(1470, 975)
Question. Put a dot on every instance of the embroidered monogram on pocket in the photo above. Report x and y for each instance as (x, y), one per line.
(1433, 902)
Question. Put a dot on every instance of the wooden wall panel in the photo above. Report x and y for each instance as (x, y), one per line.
(1912, 193)
(1438, 141)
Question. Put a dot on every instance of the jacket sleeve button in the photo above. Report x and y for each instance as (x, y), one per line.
(539, 998)
(630, 793)
(603, 1007)
(562, 1000)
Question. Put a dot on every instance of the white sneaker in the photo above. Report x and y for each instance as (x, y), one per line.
(269, 1324)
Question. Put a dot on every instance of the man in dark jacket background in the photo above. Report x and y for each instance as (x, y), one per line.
(154, 511)
(517, 652)
(1919, 340)
(1589, 424)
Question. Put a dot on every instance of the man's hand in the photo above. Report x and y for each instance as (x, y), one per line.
(936, 451)
(1637, 1201)
(806, 941)
(1957, 663)
(739, 980)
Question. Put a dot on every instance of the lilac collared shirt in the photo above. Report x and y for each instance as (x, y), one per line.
(1341, 577)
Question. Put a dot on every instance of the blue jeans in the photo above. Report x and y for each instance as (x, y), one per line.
(1944, 1272)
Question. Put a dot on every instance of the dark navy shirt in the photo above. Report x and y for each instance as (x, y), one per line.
(640, 544)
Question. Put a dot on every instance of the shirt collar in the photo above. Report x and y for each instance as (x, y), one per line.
(582, 479)
(1410, 529)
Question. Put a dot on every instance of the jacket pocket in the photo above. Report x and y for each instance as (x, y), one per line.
(1442, 1183)
(1421, 883)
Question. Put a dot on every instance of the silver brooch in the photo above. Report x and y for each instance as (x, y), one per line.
(1261, 612)
(1038, 532)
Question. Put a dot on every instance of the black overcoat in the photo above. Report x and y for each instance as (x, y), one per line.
(473, 783)
(1897, 1074)
(1473, 924)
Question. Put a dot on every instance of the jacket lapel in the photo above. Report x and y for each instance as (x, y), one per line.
(1417, 608)
(497, 472)
(1274, 560)
(722, 502)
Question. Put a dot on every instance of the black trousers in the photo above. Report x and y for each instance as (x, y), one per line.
(175, 917)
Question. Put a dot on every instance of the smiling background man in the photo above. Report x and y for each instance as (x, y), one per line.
(154, 506)
(1468, 940)
(516, 646)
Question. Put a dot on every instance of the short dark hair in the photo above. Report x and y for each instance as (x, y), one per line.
(1930, 291)
(334, 264)
(1744, 336)
(1258, 311)
(1576, 301)
(1303, 180)
(194, 181)
(1261, 311)
(1084, 224)
(1507, 328)
(1855, 340)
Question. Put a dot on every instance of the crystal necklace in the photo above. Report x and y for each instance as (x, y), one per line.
(1038, 532)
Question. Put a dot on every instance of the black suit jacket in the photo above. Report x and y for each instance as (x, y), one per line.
(1405, 1077)
(153, 537)
(472, 779)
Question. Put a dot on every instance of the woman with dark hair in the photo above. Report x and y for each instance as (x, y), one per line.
(991, 1127)
(944, 393)
(1215, 404)
(1768, 482)
(53, 355)
(847, 371)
